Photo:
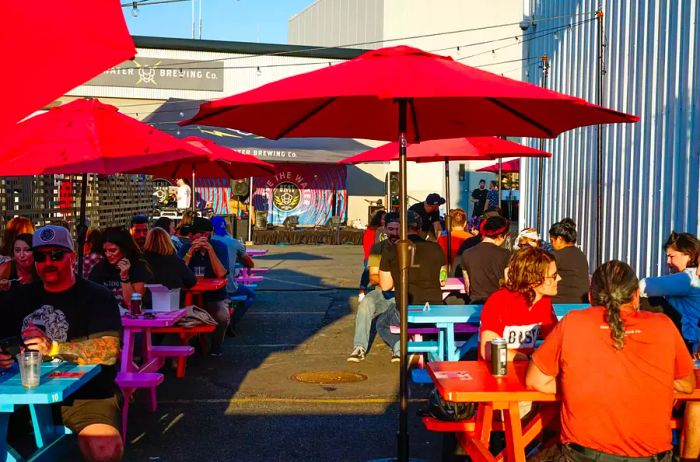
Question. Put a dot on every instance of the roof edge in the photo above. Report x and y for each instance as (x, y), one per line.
(249, 48)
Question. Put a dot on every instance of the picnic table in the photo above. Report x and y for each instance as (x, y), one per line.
(256, 252)
(453, 285)
(39, 400)
(472, 381)
(202, 285)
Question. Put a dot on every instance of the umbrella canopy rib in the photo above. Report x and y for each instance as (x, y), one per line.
(523, 117)
(306, 117)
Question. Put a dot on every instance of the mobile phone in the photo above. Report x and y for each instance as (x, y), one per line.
(11, 345)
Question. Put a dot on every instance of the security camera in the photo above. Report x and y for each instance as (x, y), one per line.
(524, 24)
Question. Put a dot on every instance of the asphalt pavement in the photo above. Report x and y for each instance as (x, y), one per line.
(247, 404)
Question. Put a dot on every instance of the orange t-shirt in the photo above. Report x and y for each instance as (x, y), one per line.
(456, 239)
(616, 401)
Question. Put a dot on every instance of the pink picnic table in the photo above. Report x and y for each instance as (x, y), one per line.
(256, 252)
(203, 285)
(452, 285)
(133, 375)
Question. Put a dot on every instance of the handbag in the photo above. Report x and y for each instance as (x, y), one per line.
(449, 411)
(196, 316)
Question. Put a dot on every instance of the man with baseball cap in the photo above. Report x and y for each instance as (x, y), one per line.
(66, 317)
(429, 213)
(209, 259)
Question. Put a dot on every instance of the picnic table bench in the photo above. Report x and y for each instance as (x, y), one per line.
(186, 334)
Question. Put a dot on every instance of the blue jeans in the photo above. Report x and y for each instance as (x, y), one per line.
(369, 308)
(386, 320)
(250, 298)
(364, 279)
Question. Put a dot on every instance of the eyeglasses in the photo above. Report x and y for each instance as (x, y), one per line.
(553, 276)
(54, 255)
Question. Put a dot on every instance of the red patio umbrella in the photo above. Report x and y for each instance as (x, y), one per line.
(469, 148)
(506, 167)
(86, 136)
(219, 162)
(404, 94)
(55, 47)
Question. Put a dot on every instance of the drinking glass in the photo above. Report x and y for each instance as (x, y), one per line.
(29, 368)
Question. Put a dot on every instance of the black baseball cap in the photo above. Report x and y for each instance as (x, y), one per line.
(201, 225)
(434, 199)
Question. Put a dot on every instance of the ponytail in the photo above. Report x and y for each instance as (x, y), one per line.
(613, 284)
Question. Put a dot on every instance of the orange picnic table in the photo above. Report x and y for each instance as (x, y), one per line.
(471, 381)
(203, 285)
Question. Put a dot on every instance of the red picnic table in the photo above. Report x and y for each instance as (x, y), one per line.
(472, 381)
(203, 285)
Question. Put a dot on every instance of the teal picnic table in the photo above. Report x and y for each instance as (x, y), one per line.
(39, 399)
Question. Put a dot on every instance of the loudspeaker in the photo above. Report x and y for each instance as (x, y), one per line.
(392, 188)
(260, 219)
(240, 188)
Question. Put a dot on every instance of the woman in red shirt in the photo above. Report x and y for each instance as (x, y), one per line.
(521, 310)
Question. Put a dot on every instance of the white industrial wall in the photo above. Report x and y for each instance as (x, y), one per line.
(651, 168)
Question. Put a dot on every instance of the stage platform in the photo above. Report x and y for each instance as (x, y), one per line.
(308, 236)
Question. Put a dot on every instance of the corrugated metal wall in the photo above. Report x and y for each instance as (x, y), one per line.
(651, 170)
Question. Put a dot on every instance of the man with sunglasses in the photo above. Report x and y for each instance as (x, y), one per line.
(64, 316)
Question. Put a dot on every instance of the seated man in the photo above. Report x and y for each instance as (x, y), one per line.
(426, 274)
(139, 230)
(618, 368)
(69, 318)
(210, 259)
(377, 301)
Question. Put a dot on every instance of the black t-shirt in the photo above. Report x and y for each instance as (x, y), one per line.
(423, 273)
(427, 219)
(108, 275)
(480, 196)
(572, 266)
(86, 310)
(169, 271)
(484, 264)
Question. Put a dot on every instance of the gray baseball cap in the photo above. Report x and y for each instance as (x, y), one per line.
(52, 235)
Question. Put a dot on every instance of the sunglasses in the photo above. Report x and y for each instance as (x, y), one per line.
(140, 316)
(54, 255)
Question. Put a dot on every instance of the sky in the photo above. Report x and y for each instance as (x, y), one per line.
(263, 21)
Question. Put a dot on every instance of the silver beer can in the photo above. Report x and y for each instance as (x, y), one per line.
(499, 357)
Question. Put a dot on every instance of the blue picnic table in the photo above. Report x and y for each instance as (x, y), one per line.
(39, 400)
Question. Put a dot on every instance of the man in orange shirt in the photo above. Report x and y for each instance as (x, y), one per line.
(618, 368)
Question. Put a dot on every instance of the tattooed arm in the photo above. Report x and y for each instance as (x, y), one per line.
(100, 350)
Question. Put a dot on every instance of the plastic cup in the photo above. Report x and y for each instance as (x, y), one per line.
(199, 271)
(29, 368)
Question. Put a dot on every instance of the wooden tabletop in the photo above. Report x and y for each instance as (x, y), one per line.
(162, 319)
(207, 284)
(50, 390)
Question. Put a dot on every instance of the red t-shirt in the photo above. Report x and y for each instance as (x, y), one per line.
(456, 239)
(507, 314)
(616, 401)
(368, 240)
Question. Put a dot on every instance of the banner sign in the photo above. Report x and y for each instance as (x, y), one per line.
(312, 192)
(174, 74)
(214, 192)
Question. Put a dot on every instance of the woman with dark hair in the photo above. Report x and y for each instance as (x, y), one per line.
(616, 369)
(572, 264)
(521, 310)
(22, 270)
(13, 228)
(680, 289)
(168, 225)
(369, 238)
(492, 196)
(123, 270)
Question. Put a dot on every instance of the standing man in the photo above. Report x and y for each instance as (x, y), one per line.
(427, 273)
(210, 259)
(72, 319)
(139, 230)
(479, 199)
(184, 194)
(429, 213)
(378, 301)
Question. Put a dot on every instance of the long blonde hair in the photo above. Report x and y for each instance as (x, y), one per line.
(158, 241)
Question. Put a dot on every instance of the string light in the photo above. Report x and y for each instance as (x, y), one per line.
(555, 35)
(134, 9)
(258, 72)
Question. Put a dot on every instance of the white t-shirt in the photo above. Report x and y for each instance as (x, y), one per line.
(184, 198)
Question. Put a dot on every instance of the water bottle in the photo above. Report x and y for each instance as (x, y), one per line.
(135, 304)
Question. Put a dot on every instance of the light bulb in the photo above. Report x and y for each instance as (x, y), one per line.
(556, 36)
(258, 72)
(457, 51)
(182, 115)
(134, 10)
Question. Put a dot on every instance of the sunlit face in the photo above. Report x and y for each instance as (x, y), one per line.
(393, 231)
(53, 264)
(171, 231)
(676, 261)
(550, 283)
(482, 184)
(112, 252)
(22, 255)
(557, 242)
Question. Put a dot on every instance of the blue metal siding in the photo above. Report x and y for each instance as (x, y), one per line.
(651, 169)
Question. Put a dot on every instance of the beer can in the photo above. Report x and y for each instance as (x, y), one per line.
(499, 357)
(135, 304)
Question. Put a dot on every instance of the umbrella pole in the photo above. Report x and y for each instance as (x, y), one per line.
(448, 219)
(540, 166)
(403, 248)
(250, 210)
(500, 181)
(82, 228)
(194, 208)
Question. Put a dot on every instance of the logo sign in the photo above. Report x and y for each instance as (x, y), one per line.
(286, 196)
(174, 74)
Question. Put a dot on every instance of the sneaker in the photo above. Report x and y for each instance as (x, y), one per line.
(360, 297)
(357, 355)
(396, 358)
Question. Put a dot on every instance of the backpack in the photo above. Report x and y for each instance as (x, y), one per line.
(449, 411)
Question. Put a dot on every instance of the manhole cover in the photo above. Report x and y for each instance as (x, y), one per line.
(325, 377)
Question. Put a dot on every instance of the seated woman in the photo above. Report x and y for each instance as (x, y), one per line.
(123, 270)
(572, 263)
(616, 369)
(521, 310)
(22, 270)
(167, 268)
(13, 228)
(528, 236)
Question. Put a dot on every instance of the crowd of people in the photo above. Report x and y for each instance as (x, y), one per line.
(71, 310)
(616, 364)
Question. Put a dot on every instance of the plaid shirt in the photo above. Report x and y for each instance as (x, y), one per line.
(89, 262)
